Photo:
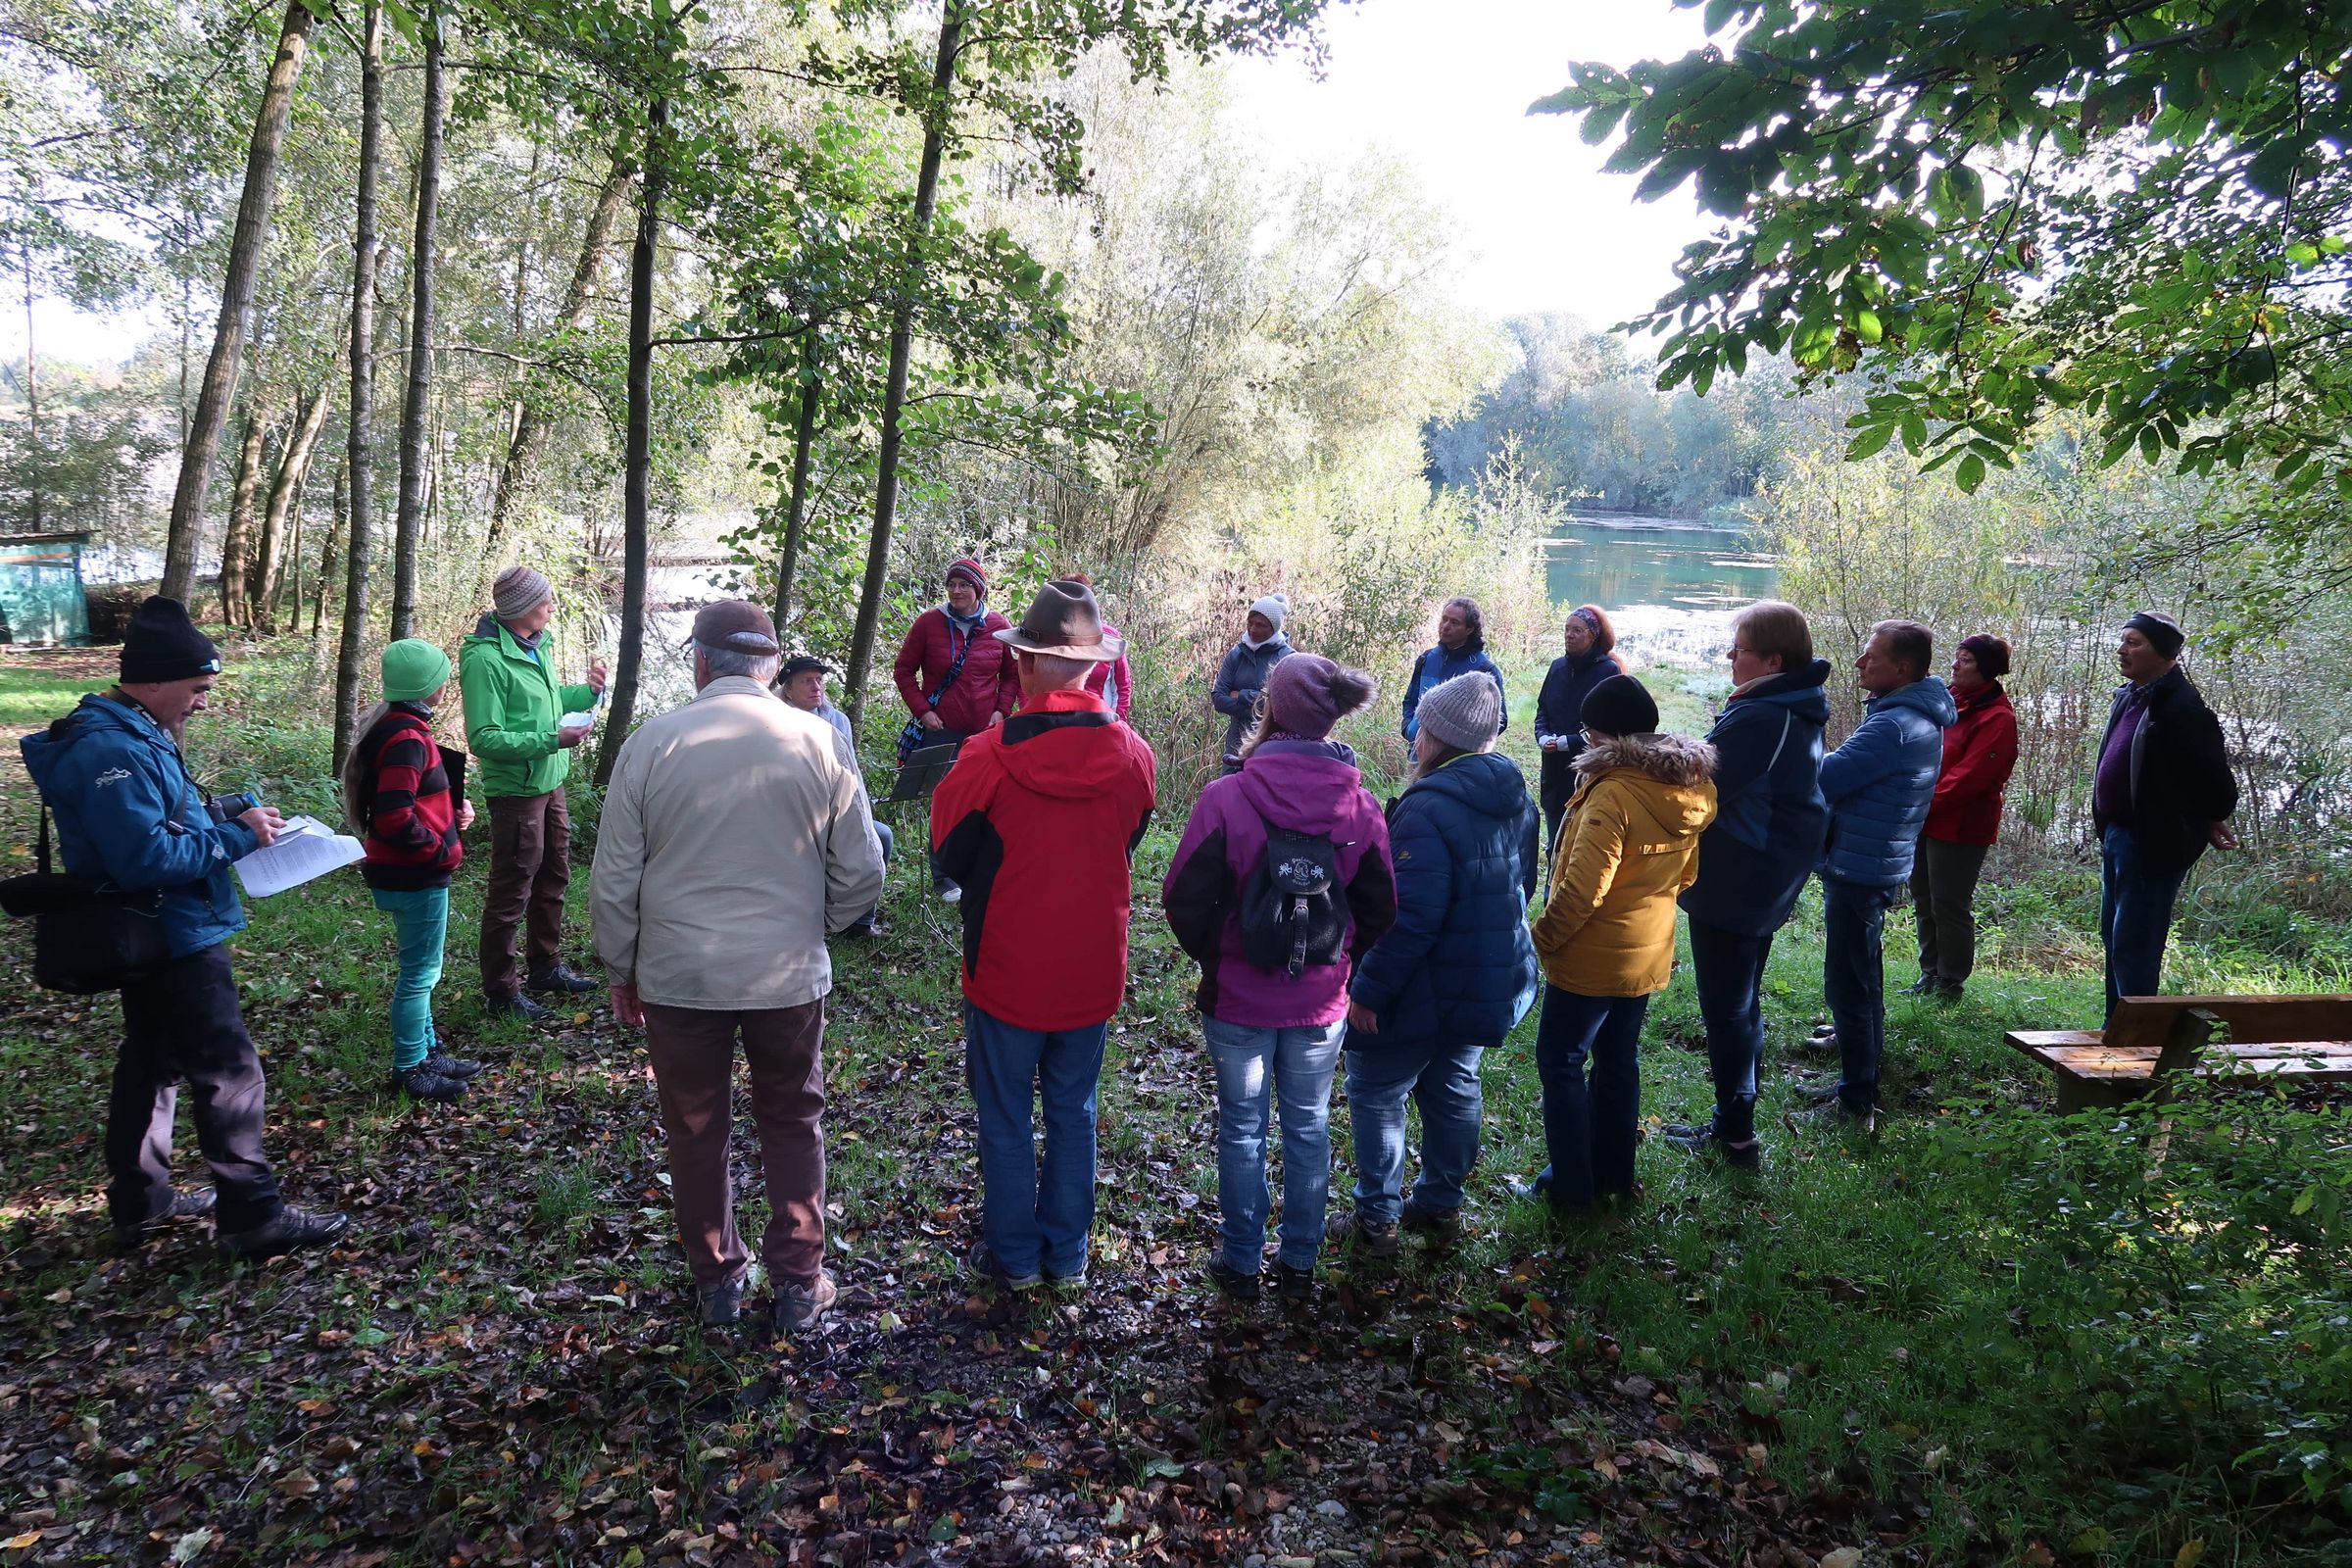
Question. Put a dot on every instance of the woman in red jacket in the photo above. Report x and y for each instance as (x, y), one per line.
(957, 678)
(1979, 753)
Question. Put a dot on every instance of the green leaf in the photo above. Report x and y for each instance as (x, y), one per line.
(1970, 474)
(1867, 326)
(1870, 443)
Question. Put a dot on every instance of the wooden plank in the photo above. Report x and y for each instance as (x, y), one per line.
(2150, 1020)
(2319, 1060)
(2030, 1041)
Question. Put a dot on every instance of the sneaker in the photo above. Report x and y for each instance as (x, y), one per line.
(801, 1307)
(1701, 1139)
(868, 927)
(1369, 1237)
(1821, 1042)
(562, 978)
(1826, 1106)
(1924, 986)
(1074, 1281)
(721, 1302)
(420, 1082)
(983, 1261)
(1237, 1285)
(1295, 1285)
(948, 890)
(449, 1066)
(289, 1230)
(517, 1006)
(1536, 1188)
(1442, 1226)
(184, 1205)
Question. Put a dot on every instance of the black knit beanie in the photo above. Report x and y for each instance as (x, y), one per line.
(1619, 705)
(163, 645)
(2163, 632)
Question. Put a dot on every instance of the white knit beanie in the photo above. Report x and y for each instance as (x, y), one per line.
(1273, 607)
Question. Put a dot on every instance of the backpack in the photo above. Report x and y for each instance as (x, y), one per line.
(1290, 912)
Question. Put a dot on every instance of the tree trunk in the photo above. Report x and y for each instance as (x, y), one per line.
(530, 424)
(270, 561)
(326, 565)
(220, 370)
(33, 401)
(352, 653)
(637, 462)
(236, 540)
(803, 437)
(408, 523)
(902, 347)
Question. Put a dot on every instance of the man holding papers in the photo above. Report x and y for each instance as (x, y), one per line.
(129, 810)
(514, 705)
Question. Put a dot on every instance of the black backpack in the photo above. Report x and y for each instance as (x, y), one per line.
(1290, 911)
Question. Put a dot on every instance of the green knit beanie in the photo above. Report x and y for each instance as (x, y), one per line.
(414, 669)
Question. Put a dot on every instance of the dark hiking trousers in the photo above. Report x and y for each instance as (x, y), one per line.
(183, 1022)
(530, 867)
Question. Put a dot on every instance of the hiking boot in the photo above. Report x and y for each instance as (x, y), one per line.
(1237, 1285)
(1295, 1285)
(1369, 1237)
(1442, 1227)
(868, 927)
(983, 1261)
(517, 1006)
(1924, 986)
(1821, 1042)
(1824, 1106)
(184, 1205)
(949, 891)
(449, 1066)
(800, 1307)
(420, 1082)
(562, 978)
(721, 1302)
(1703, 1140)
(287, 1230)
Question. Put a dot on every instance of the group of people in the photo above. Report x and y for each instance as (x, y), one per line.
(1331, 934)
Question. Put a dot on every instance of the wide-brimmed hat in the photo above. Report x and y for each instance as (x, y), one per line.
(1062, 622)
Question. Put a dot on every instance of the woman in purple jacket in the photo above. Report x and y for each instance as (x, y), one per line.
(1274, 1031)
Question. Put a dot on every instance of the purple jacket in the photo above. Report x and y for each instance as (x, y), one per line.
(1306, 787)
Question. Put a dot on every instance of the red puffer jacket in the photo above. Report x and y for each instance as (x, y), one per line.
(1037, 820)
(1979, 753)
(411, 842)
(989, 684)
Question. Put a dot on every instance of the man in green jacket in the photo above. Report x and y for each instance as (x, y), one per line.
(521, 755)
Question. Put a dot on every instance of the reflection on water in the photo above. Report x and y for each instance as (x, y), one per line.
(1670, 587)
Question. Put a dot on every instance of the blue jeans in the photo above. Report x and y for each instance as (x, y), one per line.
(1728, 968)
(890, 842)
(420, 924)
(1589, 1122)
(1442, 1079)
(1035, 1219)
(1256, 1067)
(1853, 981)
(2136, 915)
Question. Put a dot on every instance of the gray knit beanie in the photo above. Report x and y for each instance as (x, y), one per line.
(1465, 713)
(517, 591)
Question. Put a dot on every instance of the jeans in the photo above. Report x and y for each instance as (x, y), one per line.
(2136, 915)
(1591, 1122)
(1256, 1068)
(1728, 968)
(1944, 894)
(1035, 1217)
(420, 925)
(1442, 1079)
(530, 867)
(1853, 981)
(182, 1021)
(890, 842)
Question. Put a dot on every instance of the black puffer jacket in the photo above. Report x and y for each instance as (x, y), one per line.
(2180, 778)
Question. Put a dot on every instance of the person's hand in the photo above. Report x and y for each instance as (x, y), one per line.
(597, 678)
(2220, 837)
(1362, 1020)
(265, 822)
(929, 718)
(993, 719)
(625, 1005)
(464, 815)
(570, 735)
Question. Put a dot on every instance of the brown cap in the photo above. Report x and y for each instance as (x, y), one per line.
(738, 626)
(1063, 621)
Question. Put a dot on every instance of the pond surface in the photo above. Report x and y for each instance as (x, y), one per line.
(1671, 587)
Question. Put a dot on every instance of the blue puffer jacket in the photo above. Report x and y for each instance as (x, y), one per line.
(1880, 783)
(129, 810)
(1458, 964)
(1436, 666)
(1240, 679)
(1770, 816)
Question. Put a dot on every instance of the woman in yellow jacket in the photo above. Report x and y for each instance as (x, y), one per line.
(1605, 933)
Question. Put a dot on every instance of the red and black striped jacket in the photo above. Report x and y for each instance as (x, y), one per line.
(412, 817)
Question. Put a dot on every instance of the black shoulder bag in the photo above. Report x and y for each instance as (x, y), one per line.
(910, 737)
(88, 935)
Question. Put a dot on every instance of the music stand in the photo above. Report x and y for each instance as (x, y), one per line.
(921, 772)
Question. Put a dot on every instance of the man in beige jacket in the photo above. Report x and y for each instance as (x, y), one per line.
(736, 834)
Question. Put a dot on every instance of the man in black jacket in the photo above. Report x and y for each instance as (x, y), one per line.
(2162, 794)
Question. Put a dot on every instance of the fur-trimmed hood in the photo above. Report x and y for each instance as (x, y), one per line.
(1668, 759)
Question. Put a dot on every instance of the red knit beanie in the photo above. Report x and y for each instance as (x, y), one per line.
(968, 569)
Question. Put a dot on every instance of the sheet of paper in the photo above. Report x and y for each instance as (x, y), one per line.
(575, 722)
(306, 849)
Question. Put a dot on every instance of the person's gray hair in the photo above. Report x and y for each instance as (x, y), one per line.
(761, 667)
(1059, 673)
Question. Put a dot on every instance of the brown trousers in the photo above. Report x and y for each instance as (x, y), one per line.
(693, 1053)
(530, 866)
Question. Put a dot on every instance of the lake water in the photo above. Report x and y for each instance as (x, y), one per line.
(1671, 587)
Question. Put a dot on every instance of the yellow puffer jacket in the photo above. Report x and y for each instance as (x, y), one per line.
(1629, 844)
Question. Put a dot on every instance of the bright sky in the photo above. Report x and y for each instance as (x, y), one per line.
(1446, 85)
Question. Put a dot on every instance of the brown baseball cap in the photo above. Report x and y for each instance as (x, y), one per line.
(737, 625)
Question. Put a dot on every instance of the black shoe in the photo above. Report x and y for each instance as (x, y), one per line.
(1824, 1106)
(1702, 1140)
(1236, 1285)
(288, 1231)
(1946, 991)
(517, 1006)
(1442, 1226)
(562, 978)
(184, 1205)
(1924, 986)
(1821, 1042)
(983, 1261)
(1370, 1237)
(1295, 1285)
(449, 1066)
(867, 927)
(420, 1082)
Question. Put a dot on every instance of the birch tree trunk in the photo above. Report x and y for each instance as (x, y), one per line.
(408, 523)
(351, 655)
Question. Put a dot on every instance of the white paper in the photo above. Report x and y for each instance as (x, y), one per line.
(575, 722)
(306, 849)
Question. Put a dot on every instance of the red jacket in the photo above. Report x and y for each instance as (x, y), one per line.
(1037, 820)
(987, 686)
(1979, 753)
(411, 838)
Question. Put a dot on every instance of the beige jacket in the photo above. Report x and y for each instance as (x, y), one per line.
(736, 834)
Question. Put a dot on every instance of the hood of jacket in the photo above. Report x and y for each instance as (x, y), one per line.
(1799, 690)
(1487, 782)
(1985, 696)
(1054, 747)
(1928, 696)
(1304, 786)
(1670, 776)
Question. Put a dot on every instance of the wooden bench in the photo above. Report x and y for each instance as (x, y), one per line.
(2306, 1039)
